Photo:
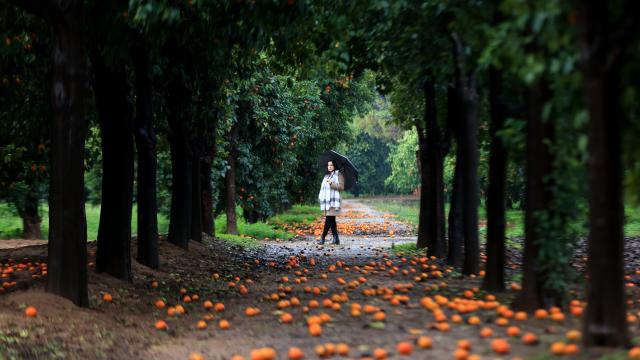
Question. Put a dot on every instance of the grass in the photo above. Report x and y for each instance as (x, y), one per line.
(408, 210)
(11, 224)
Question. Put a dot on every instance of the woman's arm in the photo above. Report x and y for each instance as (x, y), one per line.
(340, 184)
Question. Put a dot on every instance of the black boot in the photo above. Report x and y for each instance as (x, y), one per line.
(336, 240)
(321, 241)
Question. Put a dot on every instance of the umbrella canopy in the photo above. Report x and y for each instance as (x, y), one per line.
(342, 163)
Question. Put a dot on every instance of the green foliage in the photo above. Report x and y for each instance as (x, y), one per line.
(370, 154)
(404, 176)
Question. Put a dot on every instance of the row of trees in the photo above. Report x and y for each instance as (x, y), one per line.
(534, 82)
(540, 79)
(241, 105)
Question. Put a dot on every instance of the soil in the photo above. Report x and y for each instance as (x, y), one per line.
(216, 270)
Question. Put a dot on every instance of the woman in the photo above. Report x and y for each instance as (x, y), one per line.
(330, 200)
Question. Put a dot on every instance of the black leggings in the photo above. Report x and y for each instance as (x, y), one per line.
(330, 222)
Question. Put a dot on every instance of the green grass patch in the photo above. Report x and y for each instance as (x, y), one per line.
(409, 249)
(298, 214)
(11, 224)
(244, 241)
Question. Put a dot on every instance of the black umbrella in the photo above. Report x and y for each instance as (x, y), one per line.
(342, 163)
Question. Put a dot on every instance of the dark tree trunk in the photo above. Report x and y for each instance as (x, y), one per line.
(423, 237)
(145, 138)
(494, 271)
(456, 221)
(116, 130)
(181, 166)
(67, 251)
(605, 321)
(434, 191)
(538, 197)
(468, 135)
(208, 223)
(28, 211)
(230, 182)
(196, 201)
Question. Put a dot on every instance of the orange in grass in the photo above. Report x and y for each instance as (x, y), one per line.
(161, 325)
(31, 311)
(219, 307)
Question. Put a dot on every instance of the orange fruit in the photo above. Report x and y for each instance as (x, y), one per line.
(464, 344)
(161, 325)
(159, 304)
(202, 325)
(380, 354)
(223, 324)
(486, 332)
(207, 304)
(315, 329)
(107, 297)
(500, 346)
(634, 353)
(286, 318)
(263, 354)
(180, 309)
(574, 335)
(404, 348)
(379, 316)
(295, 353)
(474, 320)
(461, 354)
(541, 314)
(196, 356)
(513, 331)
(31, 311)
(342, 349)
(529, 339)
(557, 348)
(571, 349)
(521, 315)
(425, 342)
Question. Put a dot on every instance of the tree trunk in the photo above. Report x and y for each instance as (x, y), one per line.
(605, 321)
(436, 245)
(455, 255)
(538, 197)
(455, 234)
(196, 201)
(67, 249)
(494, 276)
(230, 182)
(145, 138)
(116, 130)
(468, 143)
(181, 167)
(208, 219)
(28, 211)
(423, 237)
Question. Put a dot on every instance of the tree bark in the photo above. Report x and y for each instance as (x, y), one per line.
(538, 197)
(208, 223)
(468, 132)
(181, 166)
(230, 182)
(605, 321)
(494, 272)
(196, 201)
(423, 236)
(435, 226)
(116, 130)
(145, 138)
(67, 248)
(28, 211)
(455, 254)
